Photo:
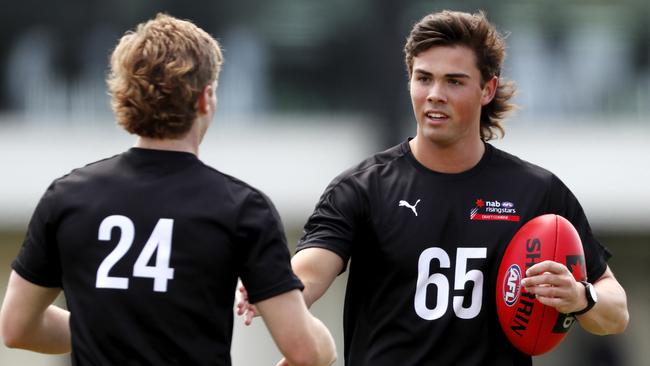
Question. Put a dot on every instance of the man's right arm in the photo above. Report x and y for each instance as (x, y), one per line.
(317, 268)
(302, 339)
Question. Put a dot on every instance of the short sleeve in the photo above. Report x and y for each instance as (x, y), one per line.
(565, 204)
(38, 260)
(335, 220)
(265, 259)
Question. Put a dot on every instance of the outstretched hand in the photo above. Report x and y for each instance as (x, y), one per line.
(553, 285)
(248, 310)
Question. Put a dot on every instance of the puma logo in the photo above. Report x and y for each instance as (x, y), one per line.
(412, 207)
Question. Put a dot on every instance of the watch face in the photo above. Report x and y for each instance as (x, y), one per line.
(592, 292)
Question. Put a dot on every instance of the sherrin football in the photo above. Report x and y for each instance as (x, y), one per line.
(531, 326)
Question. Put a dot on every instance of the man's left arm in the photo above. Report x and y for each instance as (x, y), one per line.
(554, 285)
(29, 320)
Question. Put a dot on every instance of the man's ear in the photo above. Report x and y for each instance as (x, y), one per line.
(204, 99)
(489, 90)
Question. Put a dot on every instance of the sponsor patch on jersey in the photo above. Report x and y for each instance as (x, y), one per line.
(512, 285)
(493, 210)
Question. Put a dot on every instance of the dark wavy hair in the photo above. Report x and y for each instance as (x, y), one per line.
(157, 73)
(450, 28)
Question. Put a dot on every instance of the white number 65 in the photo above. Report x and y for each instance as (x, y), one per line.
(462, 276)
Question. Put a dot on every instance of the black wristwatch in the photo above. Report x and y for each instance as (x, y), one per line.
(592, 298)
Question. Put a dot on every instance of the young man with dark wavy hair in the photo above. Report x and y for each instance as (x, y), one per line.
(422, 266)
(147, 245)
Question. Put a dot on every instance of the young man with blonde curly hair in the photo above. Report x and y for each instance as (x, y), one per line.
(411, 221)
(148, 245)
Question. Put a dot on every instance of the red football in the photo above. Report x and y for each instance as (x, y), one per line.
(532, 327)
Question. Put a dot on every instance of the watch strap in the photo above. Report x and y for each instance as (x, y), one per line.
(590, 300)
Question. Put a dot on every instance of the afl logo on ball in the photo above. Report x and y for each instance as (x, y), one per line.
(512, 285)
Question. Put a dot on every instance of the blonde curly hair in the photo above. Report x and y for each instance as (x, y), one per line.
(157, 73)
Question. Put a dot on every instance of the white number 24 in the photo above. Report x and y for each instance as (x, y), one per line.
(462, 276)
(160, 239)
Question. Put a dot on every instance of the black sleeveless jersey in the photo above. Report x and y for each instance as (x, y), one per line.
(424, 249)
(147, 246)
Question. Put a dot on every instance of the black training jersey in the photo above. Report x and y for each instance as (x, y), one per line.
(424, 250)
(147, 246)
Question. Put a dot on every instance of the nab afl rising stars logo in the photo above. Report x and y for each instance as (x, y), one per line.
(512, 285)
(494, 210)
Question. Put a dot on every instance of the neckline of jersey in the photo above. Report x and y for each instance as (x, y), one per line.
(169, 159)
(166, 154)
(487, 155)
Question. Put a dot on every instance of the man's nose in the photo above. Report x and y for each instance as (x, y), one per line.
(437, 93)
